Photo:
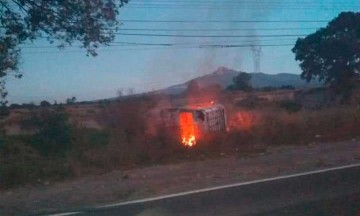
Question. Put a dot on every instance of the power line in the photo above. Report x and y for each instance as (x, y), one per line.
(222, 21)
(241, 3)
(166, 48)
(207, 29)
(210, 36)
(210, 30)
(256, 4)
(130, 43)
(217, 42)
(184, 4)
(231, 2)
(295, 7)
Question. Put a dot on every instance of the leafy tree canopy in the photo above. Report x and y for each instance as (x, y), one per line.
(53, 136)
(90, 22)
(71, 100)
(45, 103)
(332, 54)
(241, 82)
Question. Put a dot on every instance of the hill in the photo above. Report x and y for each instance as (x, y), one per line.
(223, 76)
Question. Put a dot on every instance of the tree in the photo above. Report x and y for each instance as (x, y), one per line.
(15, 106)
(53, 131)
(90, 22)
(45, 103)
(4, 110)
(130, 91)
(71, 100)
(332, 54)
(29, 106)
(287, 87)
(241, 82)
(120, 93)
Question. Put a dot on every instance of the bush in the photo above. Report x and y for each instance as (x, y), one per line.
(251, 102)
(53, 136)
(85, 138)
(290, 106)
(21, 164)
(59, 150)
(45, 103)
(4, 111)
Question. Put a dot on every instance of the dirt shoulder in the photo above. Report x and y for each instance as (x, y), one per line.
(120, 186)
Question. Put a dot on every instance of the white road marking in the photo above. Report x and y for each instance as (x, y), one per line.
(66, 214)
(228, 186)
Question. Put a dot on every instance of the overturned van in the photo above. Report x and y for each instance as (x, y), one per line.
(195, 121)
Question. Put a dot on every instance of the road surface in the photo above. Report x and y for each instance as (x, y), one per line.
(334, 191)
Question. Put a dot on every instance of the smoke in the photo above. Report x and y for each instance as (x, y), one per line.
(241, 10)
(177, 66)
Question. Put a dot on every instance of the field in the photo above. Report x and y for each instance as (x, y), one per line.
(51, 144)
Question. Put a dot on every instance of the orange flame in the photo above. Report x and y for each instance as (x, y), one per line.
(187, 129)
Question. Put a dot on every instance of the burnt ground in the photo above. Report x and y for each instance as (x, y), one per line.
(164, 179)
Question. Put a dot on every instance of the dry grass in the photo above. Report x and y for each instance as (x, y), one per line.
(124, 140)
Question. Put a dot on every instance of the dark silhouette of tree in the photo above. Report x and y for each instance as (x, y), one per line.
(120, 93)
(71, 100)
(130, 91)
(45, 103)
(332, 54)
(15, 106)
(287, 87)
(4, 110)
(90, 22)
(53, 136)
(29, 106)
(241, 82)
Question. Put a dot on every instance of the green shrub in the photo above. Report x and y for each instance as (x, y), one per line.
(53, 136)
(21, 164)
(290, 106)
(86, 138)
(4, 111)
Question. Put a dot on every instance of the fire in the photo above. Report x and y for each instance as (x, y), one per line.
(187, 129)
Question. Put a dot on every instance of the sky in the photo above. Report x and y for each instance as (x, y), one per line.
(52, 74)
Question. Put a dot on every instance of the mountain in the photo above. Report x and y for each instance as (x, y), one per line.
(259, 80)
(223, 76)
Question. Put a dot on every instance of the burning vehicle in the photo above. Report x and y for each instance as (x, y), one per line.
(192, 122)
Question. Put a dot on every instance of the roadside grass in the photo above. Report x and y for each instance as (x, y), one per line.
(60, 150)
(21, 164)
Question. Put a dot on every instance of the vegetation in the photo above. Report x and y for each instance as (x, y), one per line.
(71, 100)
(92, 23)
(130, 135)
(290, 106)
(331, 54)
(32, 158)
(53, 132)
(45, 103)
(241, 82)
(273, 88)
(4, 111)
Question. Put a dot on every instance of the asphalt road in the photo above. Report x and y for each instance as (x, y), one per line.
(329, 192)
